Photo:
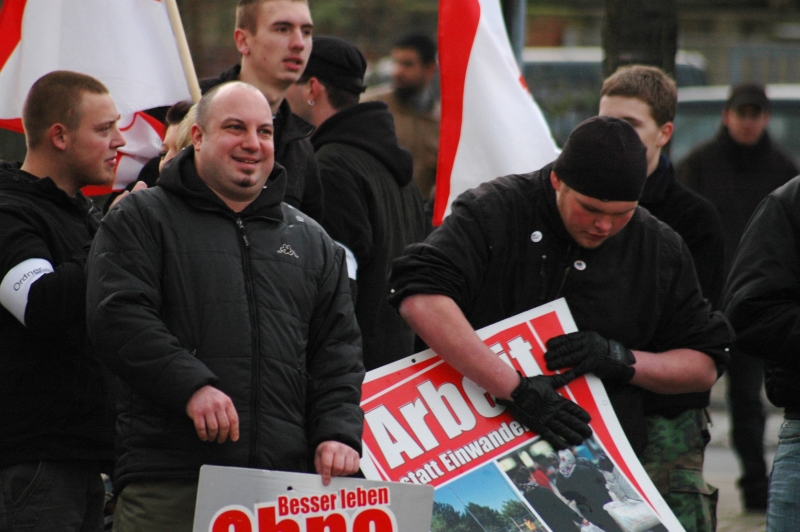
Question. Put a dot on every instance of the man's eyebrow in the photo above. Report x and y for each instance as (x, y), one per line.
(292, 24)
(105, 123)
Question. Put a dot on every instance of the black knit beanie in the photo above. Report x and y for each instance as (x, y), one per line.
(604, 158)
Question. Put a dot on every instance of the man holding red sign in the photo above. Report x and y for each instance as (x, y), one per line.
(572, 229)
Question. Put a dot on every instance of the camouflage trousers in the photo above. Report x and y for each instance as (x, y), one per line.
(674, 460)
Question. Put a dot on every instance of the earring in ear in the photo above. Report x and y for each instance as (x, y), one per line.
(311, 103)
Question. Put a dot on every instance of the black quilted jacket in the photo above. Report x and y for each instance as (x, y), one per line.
(184, 292)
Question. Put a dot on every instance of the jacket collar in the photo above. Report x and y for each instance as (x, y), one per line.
(14, 179)
(655, 188)
(370, 127)
(180, 177)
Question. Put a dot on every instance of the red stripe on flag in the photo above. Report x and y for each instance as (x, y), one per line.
(458, 24)
(10, 28)
(14, 124)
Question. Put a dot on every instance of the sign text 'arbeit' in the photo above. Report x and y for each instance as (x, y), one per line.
(427, 427)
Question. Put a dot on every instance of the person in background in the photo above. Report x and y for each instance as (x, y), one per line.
(414, 106)
(646, 98)
(373, 207)
(170, 146)
(735, 170)
(274, 39)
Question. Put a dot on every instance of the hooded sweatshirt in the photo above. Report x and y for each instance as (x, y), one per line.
(374, 209)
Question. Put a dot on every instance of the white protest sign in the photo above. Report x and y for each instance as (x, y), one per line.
(233, 499)
(426, 424)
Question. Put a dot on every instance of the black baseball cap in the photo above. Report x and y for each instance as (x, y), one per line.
(748, 94)
(338, 63)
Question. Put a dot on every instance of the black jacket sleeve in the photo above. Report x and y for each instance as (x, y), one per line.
(335, 368)
(688, 320)
(762, 296)
(452, 261)
(123, 301)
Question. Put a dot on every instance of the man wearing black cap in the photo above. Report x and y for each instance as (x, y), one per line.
(373, 206)
(735, 170)
(572, 229)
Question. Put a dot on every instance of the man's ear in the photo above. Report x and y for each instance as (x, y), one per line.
(315, 89)
(58, 136)
(665, 133)
(430, 70)
(197, 137)
(555, 181)
(725, 114)
(242, 39)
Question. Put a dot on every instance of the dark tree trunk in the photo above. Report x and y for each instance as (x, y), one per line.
(640, 32)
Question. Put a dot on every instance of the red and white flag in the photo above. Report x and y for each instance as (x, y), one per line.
(126, 44)
(490, 124)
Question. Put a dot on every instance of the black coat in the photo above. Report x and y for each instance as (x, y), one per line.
(735, 179)
(293, 151)
(183, 292)
(373, 207)
(504, 250)
(52, 391)
(762, 296)
(696, 220)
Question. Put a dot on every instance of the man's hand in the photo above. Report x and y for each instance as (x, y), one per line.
(140, 185)
(335, 459)
(214, 416)
(537, 405)
(588, 352)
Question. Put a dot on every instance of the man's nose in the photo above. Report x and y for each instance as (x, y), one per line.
(603, 224)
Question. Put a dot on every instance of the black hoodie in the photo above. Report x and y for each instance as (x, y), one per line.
(54, 394)
(374, 208)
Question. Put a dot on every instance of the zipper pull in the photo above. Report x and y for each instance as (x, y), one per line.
(240, 225)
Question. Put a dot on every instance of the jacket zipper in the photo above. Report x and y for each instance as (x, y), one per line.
(252, 460)
(571, 257)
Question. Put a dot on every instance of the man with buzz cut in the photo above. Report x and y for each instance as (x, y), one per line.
(57, 417)
(274, 38)
(646, 98)
(226, 316)
(572, 229)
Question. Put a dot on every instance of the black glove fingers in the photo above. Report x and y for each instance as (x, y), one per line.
(565, 432)
(577, 412)
(573, 424)
(555, 441)
(562, 339)
(562, 379)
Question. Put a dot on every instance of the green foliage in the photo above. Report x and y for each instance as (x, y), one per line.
(479, 518)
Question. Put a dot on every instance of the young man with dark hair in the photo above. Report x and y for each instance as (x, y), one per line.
(414, 106)
(735, 170)
(57, 418)
(646, 98)
(374, 208)
(274, 38)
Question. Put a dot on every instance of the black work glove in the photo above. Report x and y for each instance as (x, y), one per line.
(537, 405)
(588, 352)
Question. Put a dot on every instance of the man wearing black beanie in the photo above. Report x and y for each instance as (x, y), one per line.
(572, 229)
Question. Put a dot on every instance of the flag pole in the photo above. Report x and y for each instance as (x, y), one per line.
(183, 49)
